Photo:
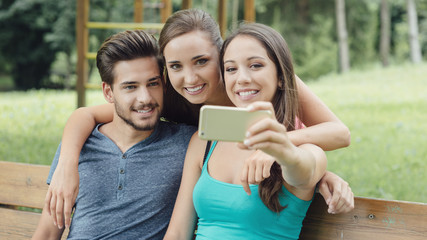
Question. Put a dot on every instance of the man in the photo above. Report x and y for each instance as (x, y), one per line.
(130, 168)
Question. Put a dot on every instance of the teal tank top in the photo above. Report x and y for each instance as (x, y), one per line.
(225, 211)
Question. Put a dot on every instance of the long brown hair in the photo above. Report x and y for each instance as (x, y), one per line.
(285, 100)
(181, 22)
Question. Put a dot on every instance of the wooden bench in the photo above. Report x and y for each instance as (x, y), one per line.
(371, 219)
(24, 185)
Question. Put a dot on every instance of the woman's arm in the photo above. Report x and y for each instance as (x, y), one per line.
(302, 166)
(324, 129)
(45, 229)
(63, 188)
(184, 218)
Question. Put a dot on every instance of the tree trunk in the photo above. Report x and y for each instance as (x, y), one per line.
(413, 32)
(344, 59)
(385, 33)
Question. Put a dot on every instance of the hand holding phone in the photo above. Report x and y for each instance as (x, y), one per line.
(227, 124)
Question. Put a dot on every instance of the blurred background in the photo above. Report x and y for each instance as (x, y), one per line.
(366, 59)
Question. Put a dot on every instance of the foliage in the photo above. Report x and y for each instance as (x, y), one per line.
(34, 33)
(29, 57)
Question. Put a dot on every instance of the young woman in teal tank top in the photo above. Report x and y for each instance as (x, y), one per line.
(258, 73)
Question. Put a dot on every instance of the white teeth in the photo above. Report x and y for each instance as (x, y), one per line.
(195, 89)
(144, 111)
(243, 94)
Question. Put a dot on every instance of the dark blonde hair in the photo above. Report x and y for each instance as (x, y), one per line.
(285, 100)
(181, 22)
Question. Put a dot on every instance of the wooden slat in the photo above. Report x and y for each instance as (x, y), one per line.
(23, 184)
(166, 10)
(186, 4)
(371, 219)
(138, 11)
(82, 35)
(18, 225)
(250, 10)
(123, 25)
(222, 17)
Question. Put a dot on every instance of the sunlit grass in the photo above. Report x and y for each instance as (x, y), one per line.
(32, 123)
(385, 110)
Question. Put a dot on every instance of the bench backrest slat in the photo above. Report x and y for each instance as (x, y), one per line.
(371, 219)
(23, 184)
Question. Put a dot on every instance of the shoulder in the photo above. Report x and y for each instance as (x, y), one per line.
(177, 128)
(196, 149)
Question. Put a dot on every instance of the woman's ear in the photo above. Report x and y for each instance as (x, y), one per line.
(108, 92)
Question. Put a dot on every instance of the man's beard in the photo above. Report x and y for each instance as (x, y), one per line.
(146, 127)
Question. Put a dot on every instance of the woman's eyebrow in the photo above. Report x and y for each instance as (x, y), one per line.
(198, 56)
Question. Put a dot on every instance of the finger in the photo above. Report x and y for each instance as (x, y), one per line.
(267, 140)
(53, 209)
(47, 200)
(68, 205)
(259, 172)
(246, 188)
(251, 172)
(244, 180)
(261, 105)
(242, 146)
(266, 170)
(336, 196)
(343, 202)
(348, 202)
(324, 191)
(264, 125)
(59, 212)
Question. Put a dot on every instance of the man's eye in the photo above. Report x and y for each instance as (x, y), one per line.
(153, 84)
(129, 87)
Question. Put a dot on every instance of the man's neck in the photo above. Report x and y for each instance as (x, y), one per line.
(122, 134)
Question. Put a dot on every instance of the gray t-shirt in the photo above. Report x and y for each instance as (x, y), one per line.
(128, 195)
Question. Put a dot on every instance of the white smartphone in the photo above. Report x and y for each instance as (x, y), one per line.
(227, 124)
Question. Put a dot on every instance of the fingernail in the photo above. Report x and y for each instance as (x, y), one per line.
(248, 134)
(247, 142)
(250, 108)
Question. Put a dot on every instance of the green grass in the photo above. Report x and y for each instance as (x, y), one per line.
(385, 110)
(31, 123)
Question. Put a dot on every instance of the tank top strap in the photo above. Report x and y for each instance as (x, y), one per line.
(205, 164)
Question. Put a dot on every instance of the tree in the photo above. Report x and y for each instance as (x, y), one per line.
(23, 27)
(413, 32)
(344, 58)
(385, 33)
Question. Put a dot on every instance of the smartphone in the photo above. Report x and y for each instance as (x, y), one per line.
(227, 124)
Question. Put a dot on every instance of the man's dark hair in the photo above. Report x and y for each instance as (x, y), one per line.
(125, 46)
